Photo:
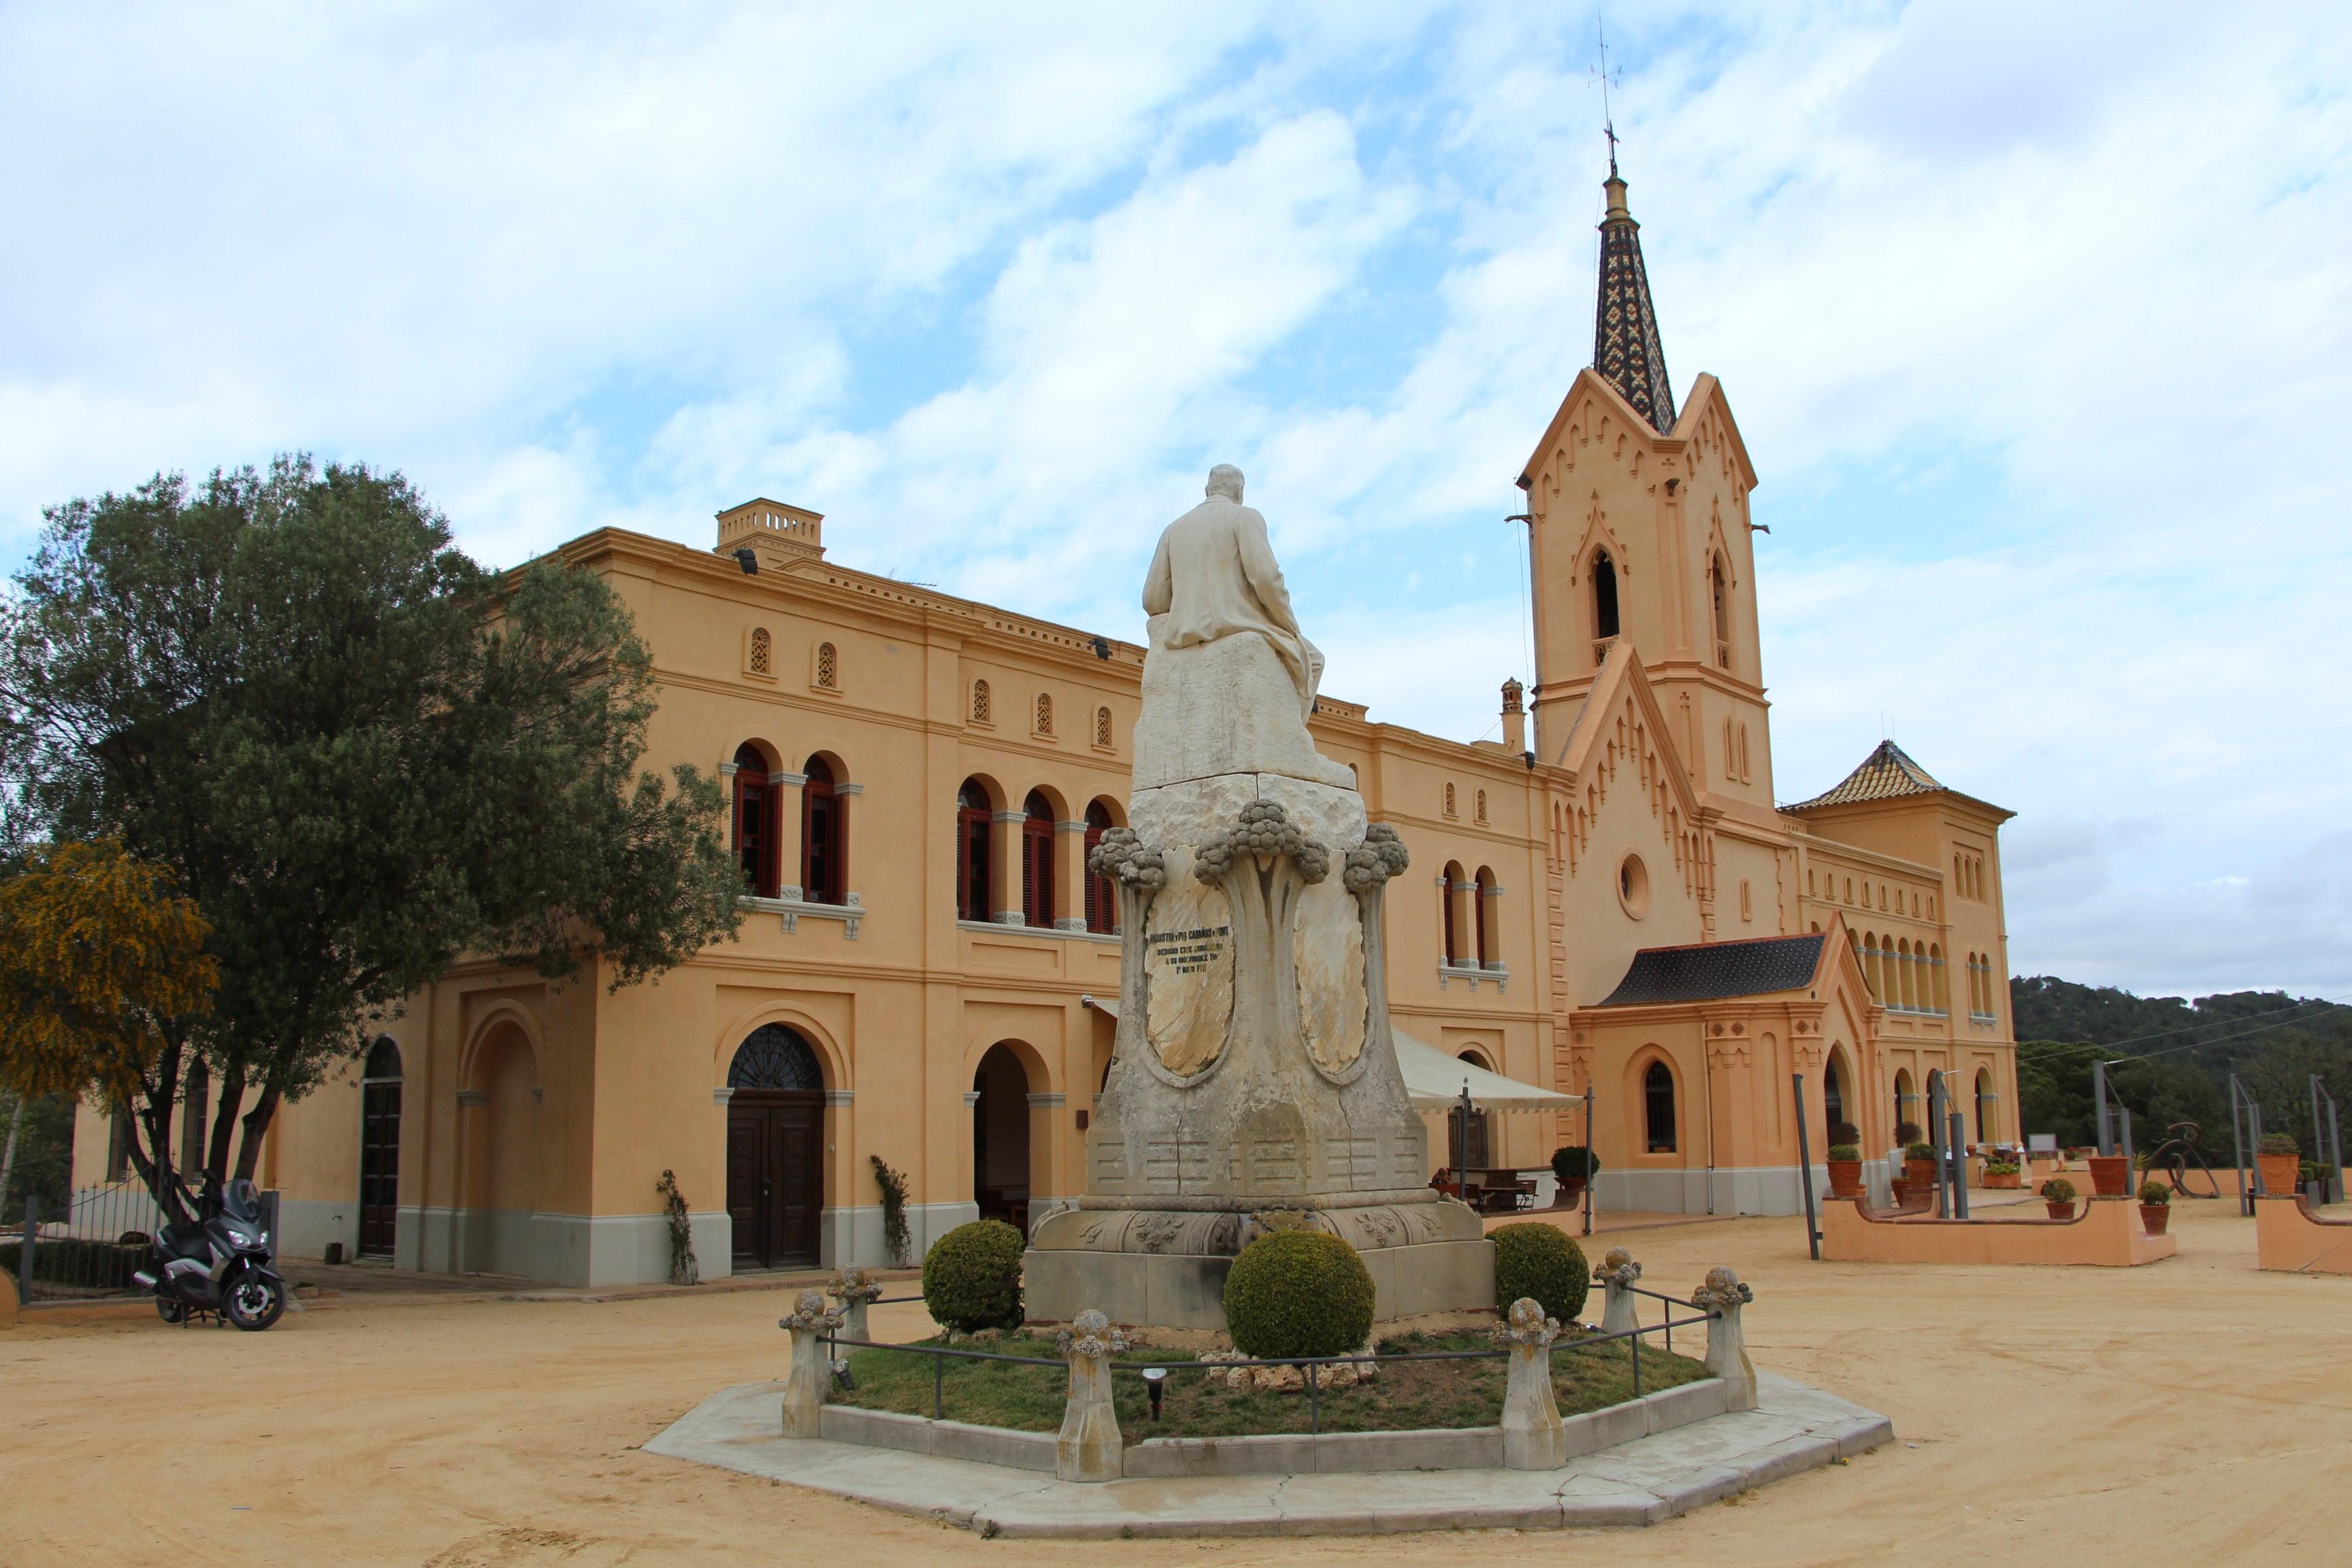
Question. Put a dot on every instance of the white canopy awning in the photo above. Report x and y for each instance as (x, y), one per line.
(1434, 1081)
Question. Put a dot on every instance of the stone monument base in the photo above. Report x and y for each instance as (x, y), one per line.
(1166, 1267)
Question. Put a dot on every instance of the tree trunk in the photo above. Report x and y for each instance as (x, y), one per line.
(232, 1100)
(9, 1160)
(256, 1125)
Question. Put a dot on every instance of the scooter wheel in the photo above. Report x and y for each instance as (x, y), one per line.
(253, 1302)
(171, 1309)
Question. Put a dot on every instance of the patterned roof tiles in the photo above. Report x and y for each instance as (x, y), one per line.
(1715, 970)
(1888, 773)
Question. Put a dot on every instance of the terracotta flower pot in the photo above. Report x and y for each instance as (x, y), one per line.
(1997, 1181)
(2058, 1210)
(1846, 1178)
(2154, 1216)
(2279, 1173)
(2110, 1175)
(1569, 1194)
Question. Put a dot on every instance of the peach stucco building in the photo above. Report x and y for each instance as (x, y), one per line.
(1609, 900)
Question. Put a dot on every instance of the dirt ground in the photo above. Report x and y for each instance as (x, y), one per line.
(2192, 1412)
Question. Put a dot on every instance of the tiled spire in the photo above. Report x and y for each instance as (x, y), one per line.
(1625, 348)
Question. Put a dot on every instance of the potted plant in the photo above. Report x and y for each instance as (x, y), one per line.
(1918, 1167)
(2059, 1193)
(2002, 1174)
(1572, 1168)
(2155, 1206)
(2110, 1175)
(2279, 1157)
(1845, 1160)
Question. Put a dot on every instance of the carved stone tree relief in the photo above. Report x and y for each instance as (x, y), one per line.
(1263, 865)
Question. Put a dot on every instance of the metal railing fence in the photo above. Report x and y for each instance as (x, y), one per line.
(1309, 1365)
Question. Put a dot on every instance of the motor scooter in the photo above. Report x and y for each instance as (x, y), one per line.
(218, 1265)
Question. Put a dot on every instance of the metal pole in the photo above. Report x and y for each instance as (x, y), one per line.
(2335, 1148)
(1314, 1402)
(1588, 1172)
(2254, 1137)
(1959, 1171)
(2099, 1099)
(939, 1382)
(1936, 1141)
(2123, 1114)
(2318, 1135)
(2238, 1145)
(1805, 1167)
(24, 1250)
(1462, 1148)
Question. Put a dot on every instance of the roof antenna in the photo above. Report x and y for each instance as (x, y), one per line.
(1605, 75)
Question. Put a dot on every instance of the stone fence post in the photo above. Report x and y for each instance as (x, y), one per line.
(1726, 1344)
(1533, 1438)
(811, 1373)
(1089, 1448)
(1616, 1276)
(853, 1291)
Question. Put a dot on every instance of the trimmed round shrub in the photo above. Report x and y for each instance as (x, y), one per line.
(1845, 1152)
(2155, 1192)
(2058, 1190)
(1536, 1261)
(1298, 1293)
(1919, 1150)
(2278, 1143)
(1844, 1132)
(1906, 1132)
(972, 1277)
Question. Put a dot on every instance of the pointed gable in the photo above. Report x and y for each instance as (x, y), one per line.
(1888, 773)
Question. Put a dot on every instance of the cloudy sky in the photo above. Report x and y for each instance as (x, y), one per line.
(2035, 316)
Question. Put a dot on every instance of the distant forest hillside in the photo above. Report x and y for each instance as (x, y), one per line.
(2185, 1052)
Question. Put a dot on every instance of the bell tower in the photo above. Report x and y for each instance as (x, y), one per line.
(1640, 542)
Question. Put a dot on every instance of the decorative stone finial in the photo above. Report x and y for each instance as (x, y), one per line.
(1722, 1289)
(1617, 1268)
(1265, 832)
(1620, 1313)
(1094, 1338)
(1090, 1447)
(809, 1313)
(812, 1369)
(1527, 1325)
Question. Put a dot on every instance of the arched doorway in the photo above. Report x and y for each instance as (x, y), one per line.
(999, 1138)
(1471, 1143)
(1984, 1106)
(775, 1149)
(380, 1081)
(1906, 1106)
(1833, 1098)
(513, 1150)
(1658, 1128)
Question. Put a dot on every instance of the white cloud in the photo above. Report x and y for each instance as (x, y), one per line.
(2031, 316)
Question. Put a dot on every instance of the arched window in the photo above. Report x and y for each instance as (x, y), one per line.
(1906, 972)
(824, 836)
(763, 652)
(1449, 800)
(1102, 904)
(1604, 598)
(1743, 754)
(1834, 1090)
(1490, 946)
(1045, 714)
(1715, 587)
(382, 1061)
(1906, 1100)
(1102, 728)
(1037, 861)
(828, 668)
(1450, 887)
(1939, 985)
(972, 878)
(1984, 1106)
(775, 1059)
(1481, 806)
(1658, 1107)
(379, 1149)
(755, 826)
(979, 702)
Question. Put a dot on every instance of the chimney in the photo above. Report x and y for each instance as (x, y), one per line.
(1515, 717)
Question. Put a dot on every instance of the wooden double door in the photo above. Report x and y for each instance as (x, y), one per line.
(775, 1177)
(379, 1167)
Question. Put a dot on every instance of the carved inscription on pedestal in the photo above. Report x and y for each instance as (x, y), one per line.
(1188, 953)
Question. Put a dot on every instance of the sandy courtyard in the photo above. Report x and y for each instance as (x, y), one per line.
(2195, 1411)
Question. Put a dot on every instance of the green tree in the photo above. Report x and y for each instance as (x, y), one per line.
(362, 755)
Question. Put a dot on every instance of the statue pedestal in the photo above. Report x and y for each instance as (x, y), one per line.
(1254, 1072)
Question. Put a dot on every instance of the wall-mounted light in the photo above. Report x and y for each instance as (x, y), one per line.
(1102, 647)
(748, 559)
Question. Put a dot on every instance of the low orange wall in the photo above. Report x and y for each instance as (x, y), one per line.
(2106, 1234)
(2288, 1236)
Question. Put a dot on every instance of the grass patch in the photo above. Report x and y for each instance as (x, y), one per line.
(1405, 1396)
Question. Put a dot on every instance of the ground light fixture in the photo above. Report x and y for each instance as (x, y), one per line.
(1155, 1378)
